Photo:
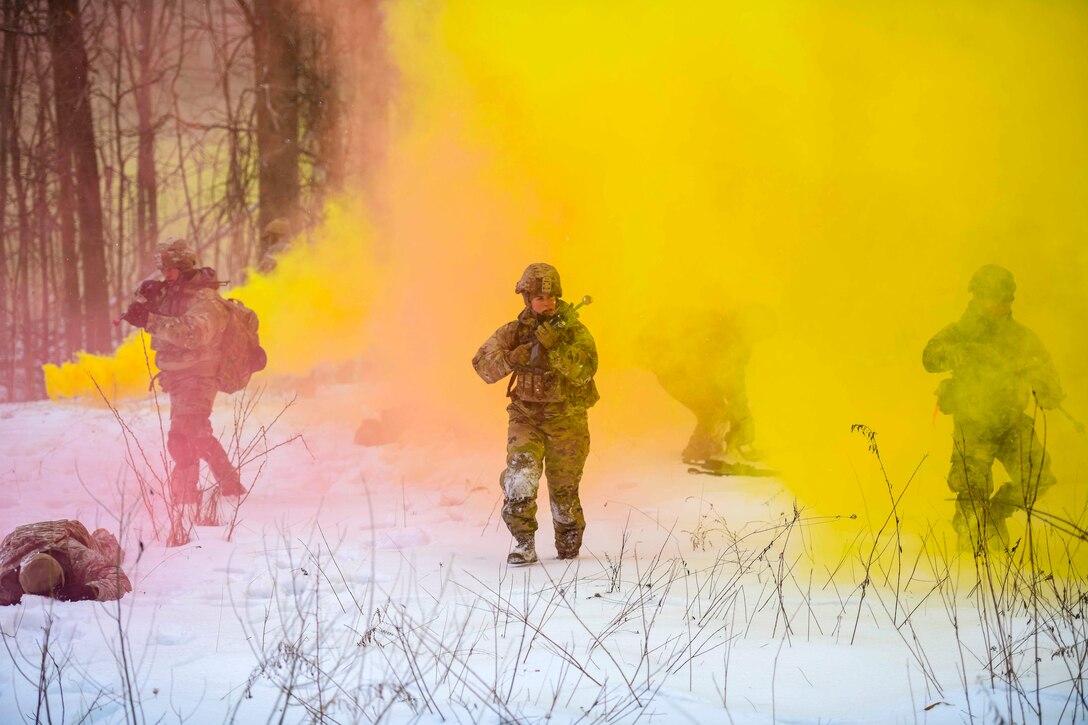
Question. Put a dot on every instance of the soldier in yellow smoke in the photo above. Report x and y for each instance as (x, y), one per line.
(186, 320)
(553, 359)
(1002, 377)
(700, 357)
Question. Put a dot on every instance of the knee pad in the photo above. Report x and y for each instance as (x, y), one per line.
(521, 477)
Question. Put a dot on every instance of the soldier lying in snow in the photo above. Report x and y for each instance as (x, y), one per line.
(60, 559)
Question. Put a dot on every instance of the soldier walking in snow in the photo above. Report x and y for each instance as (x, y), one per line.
(552, 358)
(60, 559)
(997, 364)
(186, 319)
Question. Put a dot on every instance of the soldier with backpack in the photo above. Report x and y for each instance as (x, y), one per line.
(203, 344)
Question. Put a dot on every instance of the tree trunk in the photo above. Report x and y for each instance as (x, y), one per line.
(276, 55)
(75, 126)
(117, 197)
(7, 299)
(147, 193)
(22, 337)
(53, 265)
(22, 327)
(39, 181)
(41, 218)
(72, 303)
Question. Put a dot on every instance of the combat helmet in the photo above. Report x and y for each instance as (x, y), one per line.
(175, 252)
(539, 279)
(277, 228)
(992, 282)
(40, 573)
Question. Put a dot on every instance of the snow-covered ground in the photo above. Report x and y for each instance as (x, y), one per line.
(365, 584)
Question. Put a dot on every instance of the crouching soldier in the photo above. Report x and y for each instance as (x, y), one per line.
(186, 319)
(700, 357)
(552, 358)
(60, 559)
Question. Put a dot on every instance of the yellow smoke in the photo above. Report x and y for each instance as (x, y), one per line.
(848, 164)
(315, 304)
(125, 374)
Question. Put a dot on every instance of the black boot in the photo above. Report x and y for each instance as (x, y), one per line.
(230, 483)
(226, 475)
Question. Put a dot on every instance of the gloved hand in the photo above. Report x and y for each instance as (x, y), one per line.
(520, 354)
(547, 335)
(151, 290)
(136, 314)
(1048, 401)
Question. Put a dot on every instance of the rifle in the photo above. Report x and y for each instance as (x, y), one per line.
(1077, 425)
(150, 294)
(560, 321)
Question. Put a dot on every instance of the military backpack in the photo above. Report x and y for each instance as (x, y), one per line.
(240, 353)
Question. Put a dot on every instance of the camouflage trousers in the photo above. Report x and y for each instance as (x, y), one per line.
(720, 429)
(980, 512)
(191, 439)
(556, 447)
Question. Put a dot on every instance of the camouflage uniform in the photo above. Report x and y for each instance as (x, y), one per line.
(700, 359)
(996, 364)
(91, 562)
(548, 427)
(186, 331)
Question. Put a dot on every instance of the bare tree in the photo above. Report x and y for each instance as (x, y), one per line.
(275, 31)
(147, 210)
(21, 294)
(75, 127)
(7, 319)
(120, 119)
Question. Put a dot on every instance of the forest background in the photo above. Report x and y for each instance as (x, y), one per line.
(127, 120)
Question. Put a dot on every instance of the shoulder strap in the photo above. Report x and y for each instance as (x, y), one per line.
(521, 332)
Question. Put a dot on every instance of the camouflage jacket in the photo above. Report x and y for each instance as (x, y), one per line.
(91, 562)
(187, 327)
(995, 365)
(562, 382)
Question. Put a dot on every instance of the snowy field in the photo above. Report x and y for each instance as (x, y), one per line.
(369, 584)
